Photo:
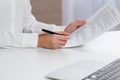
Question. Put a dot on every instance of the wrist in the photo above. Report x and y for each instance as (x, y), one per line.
(40, 41)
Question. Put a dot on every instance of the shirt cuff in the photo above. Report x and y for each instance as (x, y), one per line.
(30, 40)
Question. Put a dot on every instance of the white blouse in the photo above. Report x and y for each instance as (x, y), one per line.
(18, 27)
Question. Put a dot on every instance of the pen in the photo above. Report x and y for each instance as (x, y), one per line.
(50, 32)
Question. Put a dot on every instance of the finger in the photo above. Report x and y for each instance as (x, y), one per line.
(63, 38)
(64, 33)
(84, 22)
(58, 46)
(62, 43)
(80, 22)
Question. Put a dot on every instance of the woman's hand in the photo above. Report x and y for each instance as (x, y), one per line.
(53, 41)
(74, 25)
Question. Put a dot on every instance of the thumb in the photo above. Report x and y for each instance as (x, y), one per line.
(81, 22)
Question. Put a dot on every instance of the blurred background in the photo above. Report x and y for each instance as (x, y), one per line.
(48, 11)
(63, 12)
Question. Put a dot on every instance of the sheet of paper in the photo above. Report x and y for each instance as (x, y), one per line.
(103, 20)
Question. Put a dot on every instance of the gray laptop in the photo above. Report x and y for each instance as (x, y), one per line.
(87, 70)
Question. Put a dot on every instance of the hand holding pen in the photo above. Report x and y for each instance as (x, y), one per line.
(53, 40)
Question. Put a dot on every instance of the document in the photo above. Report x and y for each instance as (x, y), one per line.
(103, 20)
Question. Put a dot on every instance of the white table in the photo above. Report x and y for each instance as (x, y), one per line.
(34, 64)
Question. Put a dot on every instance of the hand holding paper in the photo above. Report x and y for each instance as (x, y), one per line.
(103, 20)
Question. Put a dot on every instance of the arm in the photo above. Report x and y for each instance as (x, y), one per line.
(47, 40)
(10, 39)
(31, 25)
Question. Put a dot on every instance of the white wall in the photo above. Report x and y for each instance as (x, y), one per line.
(67, 7)
(79, 9)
